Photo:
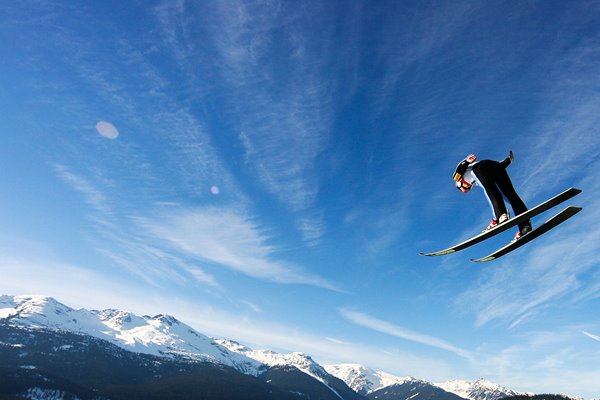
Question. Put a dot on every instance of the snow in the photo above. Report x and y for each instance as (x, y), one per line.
(481, 389)
(364, 380)
(299, 360)
(6, 306)
(44, 394)
(161, 335)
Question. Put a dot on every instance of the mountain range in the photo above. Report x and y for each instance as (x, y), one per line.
(52, 351)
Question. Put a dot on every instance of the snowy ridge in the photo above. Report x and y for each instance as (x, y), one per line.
(481, 389)
(299, 360)
(161, 335)
(364, 380)
(165, 336)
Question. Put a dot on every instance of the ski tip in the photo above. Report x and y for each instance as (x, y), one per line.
(484, 259)
(572, 210)
(438, 253)
(576, 190)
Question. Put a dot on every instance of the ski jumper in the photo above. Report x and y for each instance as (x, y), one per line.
(492, 177)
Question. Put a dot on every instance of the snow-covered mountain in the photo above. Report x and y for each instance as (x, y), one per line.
(161, 335)
(481, 389)
(165, 336)
(363, 379)
(299, 360)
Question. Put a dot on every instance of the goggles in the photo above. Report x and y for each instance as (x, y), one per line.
(463, 185)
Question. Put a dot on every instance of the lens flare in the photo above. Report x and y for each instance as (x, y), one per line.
(107, 130)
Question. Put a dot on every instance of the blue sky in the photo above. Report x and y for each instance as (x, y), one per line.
(269, 171)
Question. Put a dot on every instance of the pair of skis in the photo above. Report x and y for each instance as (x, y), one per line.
(541, 229)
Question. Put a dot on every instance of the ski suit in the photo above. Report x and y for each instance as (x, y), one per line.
(492, 177)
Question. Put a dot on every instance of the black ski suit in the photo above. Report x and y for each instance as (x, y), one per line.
(496, 183)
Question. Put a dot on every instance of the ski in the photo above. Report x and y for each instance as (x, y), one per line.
(537, 232)
(540, 208)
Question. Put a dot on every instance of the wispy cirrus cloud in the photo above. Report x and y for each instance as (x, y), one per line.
(564, 137)
(282, 111)
(543, 360)
(592, 336)
(391, 329)
(515, 292)
(92, 196)
(190, 157)
(126, 247)
(134, 93)
(284, 98)
(227, 238)
(407, 42)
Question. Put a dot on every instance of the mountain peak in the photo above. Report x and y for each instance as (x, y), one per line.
(162, 335)
(481, 389)
(165, 336)
(363, 379)
(300, 360)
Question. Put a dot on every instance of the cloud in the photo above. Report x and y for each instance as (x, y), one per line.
(92, 196)
(565, 137)
(388, 328)
(542, 361)
(418, 36)
(151, 263)
(125, 246)
(378, 227)
(228, 238)
(592, 336)
(285, 99)
(69, 283)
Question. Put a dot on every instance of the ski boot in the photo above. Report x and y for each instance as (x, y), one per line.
(522, 232)
(495, 222)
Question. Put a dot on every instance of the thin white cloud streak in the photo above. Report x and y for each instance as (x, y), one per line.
(152, 264)
(388, 328)
(92, 196)
(227, 238)
(592, 336)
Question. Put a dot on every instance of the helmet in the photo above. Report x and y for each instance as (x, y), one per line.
(462, 167)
